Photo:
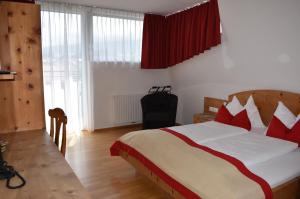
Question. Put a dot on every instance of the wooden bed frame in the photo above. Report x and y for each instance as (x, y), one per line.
(266, 101)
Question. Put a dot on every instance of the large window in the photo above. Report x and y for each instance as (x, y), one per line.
(77, 38)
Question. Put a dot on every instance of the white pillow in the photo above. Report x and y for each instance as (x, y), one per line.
(285, 115)
(234, 107)
(259, 131)
(253, 114)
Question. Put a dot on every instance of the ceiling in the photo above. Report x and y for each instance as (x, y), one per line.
(162, 7)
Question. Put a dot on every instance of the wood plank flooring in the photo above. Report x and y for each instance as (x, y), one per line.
(104, 176)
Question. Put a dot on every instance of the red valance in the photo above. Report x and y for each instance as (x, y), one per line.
(170, 40)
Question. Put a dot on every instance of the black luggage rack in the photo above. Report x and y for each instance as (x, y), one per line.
(160, 89)
(159, 108)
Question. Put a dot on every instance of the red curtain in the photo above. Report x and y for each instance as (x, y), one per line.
(170, 40)
(154, 42)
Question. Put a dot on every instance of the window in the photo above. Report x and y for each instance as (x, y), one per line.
(61, 43)
(117, 39)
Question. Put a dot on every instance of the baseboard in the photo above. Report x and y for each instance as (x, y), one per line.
(119, 127)
(124, 127)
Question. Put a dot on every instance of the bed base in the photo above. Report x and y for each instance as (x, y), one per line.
(288, 190)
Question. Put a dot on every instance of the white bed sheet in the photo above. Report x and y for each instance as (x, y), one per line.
(279, 170)
(251, 148)
(208, 131)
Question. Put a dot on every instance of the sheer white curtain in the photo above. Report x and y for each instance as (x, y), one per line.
(117, 38)
(67, 73)
(75, 39)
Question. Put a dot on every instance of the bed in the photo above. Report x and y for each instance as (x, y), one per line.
(272, 164)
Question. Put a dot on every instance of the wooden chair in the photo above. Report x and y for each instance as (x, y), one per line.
(58, 117)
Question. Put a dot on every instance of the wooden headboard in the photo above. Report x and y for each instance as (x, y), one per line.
(267, 100)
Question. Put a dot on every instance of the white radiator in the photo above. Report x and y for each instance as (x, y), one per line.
(127, 109)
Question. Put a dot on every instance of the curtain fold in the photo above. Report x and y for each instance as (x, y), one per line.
(153, 50)
(170, 40)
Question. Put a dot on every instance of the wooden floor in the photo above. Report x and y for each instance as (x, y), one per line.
(104, 176)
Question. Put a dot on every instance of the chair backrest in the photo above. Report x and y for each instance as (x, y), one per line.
(58, 119)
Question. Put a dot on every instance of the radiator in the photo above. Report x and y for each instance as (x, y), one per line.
(127, 109)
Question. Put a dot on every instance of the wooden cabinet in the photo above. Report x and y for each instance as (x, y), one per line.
(21, 100)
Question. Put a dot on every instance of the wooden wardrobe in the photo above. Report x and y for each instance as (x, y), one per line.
(21, 99)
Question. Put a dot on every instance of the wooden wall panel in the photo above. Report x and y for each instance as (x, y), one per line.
(6, 92)
(22, 98)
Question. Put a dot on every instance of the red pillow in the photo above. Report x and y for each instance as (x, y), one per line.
(223, 115)
(278, 130)
(240, 120)
(294, 134)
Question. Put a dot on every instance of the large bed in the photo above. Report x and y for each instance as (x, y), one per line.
(215, 160)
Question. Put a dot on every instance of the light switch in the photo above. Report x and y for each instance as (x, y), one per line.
(213, 109)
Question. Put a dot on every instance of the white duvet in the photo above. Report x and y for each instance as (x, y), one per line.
(251, 148)
(279, 170)
(208, 131)
(274, 160)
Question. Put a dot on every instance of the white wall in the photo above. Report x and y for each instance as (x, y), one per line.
(260, 49)
(109, 81)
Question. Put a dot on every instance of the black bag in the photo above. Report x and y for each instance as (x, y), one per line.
(8, 172)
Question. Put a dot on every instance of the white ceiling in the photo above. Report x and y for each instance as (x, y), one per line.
(163, 7)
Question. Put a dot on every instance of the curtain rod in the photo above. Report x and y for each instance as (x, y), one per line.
(91, 6)
(196, 4)
(86, 6)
